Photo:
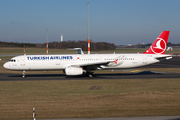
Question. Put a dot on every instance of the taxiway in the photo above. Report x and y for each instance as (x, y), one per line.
(173, 63)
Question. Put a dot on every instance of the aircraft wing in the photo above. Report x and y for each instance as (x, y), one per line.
(96, 65)
(92, 66)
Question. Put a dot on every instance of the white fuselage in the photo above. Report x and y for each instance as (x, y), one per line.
(78, 64)
(62, 61)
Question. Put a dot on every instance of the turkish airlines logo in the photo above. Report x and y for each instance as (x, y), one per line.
(115, 61)
(159, 46)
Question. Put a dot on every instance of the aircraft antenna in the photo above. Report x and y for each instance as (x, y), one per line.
(88, 31)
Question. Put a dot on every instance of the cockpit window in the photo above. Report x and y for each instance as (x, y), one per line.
(12, 60)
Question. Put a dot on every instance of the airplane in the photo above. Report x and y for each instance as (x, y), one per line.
(79, 64)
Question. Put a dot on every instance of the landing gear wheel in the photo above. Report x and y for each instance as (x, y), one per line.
(89, 74)
(23, 74)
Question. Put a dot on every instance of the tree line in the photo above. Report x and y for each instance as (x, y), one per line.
(16, 44)
(95, 46)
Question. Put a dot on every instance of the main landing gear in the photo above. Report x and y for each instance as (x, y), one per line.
(23, 74)
(89, 74)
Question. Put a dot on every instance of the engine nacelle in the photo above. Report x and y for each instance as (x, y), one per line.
(73, 71)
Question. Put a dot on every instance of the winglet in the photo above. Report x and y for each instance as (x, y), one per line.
(159, 45)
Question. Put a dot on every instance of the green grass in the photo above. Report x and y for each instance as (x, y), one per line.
(73, 99)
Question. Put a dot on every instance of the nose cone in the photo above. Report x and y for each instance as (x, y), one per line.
(6, 65)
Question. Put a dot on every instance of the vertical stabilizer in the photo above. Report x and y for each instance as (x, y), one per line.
(159, 45)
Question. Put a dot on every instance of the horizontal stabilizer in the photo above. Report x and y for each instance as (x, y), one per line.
(164, 57)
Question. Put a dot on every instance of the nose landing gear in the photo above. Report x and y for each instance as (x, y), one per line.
(23, 74)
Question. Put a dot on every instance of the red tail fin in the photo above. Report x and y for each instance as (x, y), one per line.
(159, 45)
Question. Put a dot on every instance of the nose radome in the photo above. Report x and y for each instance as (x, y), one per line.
(5, 65)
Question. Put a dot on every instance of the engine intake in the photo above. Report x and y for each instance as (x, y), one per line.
(73, 71)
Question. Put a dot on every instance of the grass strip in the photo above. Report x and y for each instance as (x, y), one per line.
(74, 99)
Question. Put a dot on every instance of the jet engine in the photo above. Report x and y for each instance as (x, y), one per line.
(73, 71)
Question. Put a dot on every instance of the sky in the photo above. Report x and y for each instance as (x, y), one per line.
(114, 21)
